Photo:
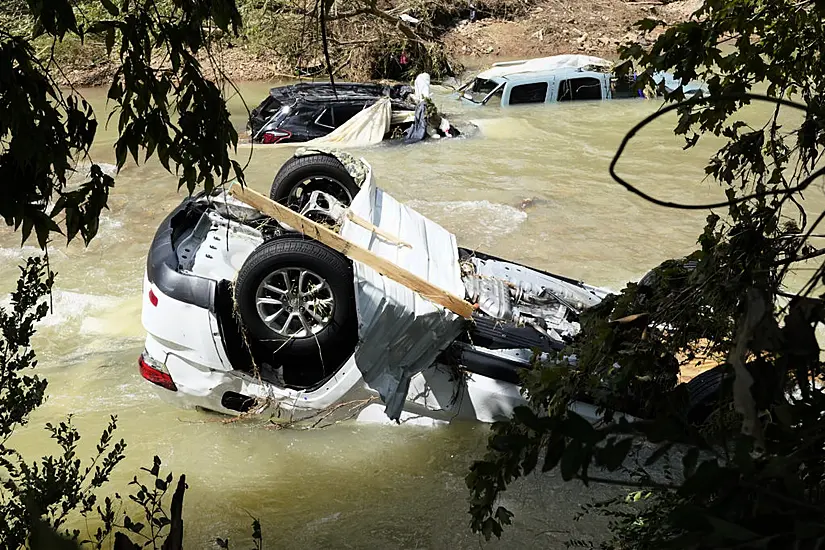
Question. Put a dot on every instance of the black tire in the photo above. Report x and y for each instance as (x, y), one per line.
(299, 176)
(328, 346)
(703, 394)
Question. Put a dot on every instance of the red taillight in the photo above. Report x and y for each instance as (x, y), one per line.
(276, 136)
(152, 298)
(155, 376)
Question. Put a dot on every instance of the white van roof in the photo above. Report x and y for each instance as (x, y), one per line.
(543, 64)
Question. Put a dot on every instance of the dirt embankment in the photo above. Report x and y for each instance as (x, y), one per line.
(238, 63)
(593, 27)
(548, 27)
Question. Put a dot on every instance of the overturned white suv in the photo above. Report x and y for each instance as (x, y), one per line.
(244, 313)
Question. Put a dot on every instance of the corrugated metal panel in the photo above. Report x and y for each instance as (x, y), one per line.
(401, 333)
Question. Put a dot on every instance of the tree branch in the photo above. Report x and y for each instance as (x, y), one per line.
(795, 258)
(370, 8)
(636, 484)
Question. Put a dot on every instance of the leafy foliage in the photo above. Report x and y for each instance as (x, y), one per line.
(38, 497)
(257, 537)
(21, 393)
(165, 105)
(147, 96)
(751, 472)
(41, 134)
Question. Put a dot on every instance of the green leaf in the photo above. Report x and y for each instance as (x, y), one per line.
(526, 416)
(613, 456)
(134, 146)
(28, 225)
(110, 40)
(648, 24)
(161, 521)
(45, 536)
(42, 232)
(707, 477)
(577, 427)
(571, 460)
(120, 153)
(555, 449)
(98, 27)
(491, 527)
(531, 458)
(38, 29)
(503, 515)
(110, 7)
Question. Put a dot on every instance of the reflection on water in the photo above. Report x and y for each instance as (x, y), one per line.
(531, 186)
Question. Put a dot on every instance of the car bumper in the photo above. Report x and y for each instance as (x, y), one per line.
(162, 265)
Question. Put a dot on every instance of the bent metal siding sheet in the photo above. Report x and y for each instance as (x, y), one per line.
(400, 332)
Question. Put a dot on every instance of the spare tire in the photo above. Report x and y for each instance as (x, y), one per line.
(296, 297)
(299, 176)
(703, 393)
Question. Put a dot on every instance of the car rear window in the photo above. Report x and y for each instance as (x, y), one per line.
(529, 93)
(267, 108)
(262, 113)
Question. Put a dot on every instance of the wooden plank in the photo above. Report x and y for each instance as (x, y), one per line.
(335, 241)
(377, 230)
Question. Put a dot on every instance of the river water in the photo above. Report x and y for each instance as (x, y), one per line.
(355, 486)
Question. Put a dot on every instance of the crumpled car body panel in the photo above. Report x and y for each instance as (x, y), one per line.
(401, 333)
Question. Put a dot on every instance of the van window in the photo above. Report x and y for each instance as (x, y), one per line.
(495, 98)
(529, 93)
(624, 87)
(576, 89)
(481, 90)
(482, 86)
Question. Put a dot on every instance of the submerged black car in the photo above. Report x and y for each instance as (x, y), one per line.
(310, 110)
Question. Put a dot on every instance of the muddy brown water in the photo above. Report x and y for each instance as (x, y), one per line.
(531, 186)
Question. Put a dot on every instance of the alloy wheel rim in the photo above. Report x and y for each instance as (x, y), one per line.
(295, 302)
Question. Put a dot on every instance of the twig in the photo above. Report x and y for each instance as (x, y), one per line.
(795, 258)
(325, 45)
(694, 102)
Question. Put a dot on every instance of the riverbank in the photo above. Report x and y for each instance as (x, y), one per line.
(472, 36)
(595, 27)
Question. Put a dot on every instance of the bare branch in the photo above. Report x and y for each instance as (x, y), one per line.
(795, 258)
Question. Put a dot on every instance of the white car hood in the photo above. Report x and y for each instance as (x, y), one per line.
(400, 332)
